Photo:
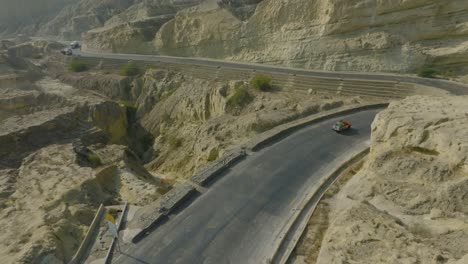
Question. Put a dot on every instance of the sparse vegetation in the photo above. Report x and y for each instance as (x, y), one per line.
(214, 154)
(94, 159)
(240, 97)
(262, 83)
(151, 67)
(174, 142)
(130, 69)
(163, 190)
(38, 56)
(167, 94)
(427, 72)
(77, 66)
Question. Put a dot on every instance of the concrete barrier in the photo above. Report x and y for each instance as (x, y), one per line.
(284, 130)
(298, 222)
(215, 168)
(90, 234)
(150, 216)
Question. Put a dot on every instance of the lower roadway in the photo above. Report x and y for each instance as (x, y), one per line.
(241, 218)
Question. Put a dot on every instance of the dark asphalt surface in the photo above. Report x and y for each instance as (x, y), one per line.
(240, 218)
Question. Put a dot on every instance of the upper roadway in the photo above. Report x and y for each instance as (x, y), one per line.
(450, 86)
(240, 219)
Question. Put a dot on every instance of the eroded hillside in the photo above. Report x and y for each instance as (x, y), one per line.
(63, 151)
(70, 141)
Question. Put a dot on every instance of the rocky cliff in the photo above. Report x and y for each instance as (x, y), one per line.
(365, 35)
(408, 203)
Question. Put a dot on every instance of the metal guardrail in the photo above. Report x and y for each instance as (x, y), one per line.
(80, 253)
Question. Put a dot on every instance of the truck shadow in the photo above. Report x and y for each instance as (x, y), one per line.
(349, 132)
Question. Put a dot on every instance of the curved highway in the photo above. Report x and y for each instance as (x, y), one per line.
(241, 218)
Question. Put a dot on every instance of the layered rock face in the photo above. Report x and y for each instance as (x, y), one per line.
(134, 29)
(408, 204)
(366, 35)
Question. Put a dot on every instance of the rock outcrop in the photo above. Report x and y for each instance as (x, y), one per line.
(398, 36)
(408, 204)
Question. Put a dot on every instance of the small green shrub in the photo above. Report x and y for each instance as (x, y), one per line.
(94, 159)
(262, 83)
(427, 72)
(167, 94)
(37, 56)
(112, 211)
(213, 155)
(163, 190)
(126, 104)
(130, 69)
(240, 97)
(151, 67)
(77, 66)
(174, 142)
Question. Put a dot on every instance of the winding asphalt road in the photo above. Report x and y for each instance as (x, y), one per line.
(239, 220)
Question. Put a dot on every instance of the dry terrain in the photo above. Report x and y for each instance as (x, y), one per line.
(70, 141)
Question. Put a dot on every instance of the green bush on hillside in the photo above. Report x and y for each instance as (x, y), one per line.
(262, 83)
(77, 66)
(174, 142)
(94, 159)
(240, 97)
(213, 155)
(130, 69)
(37, 56)
(427, 72)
